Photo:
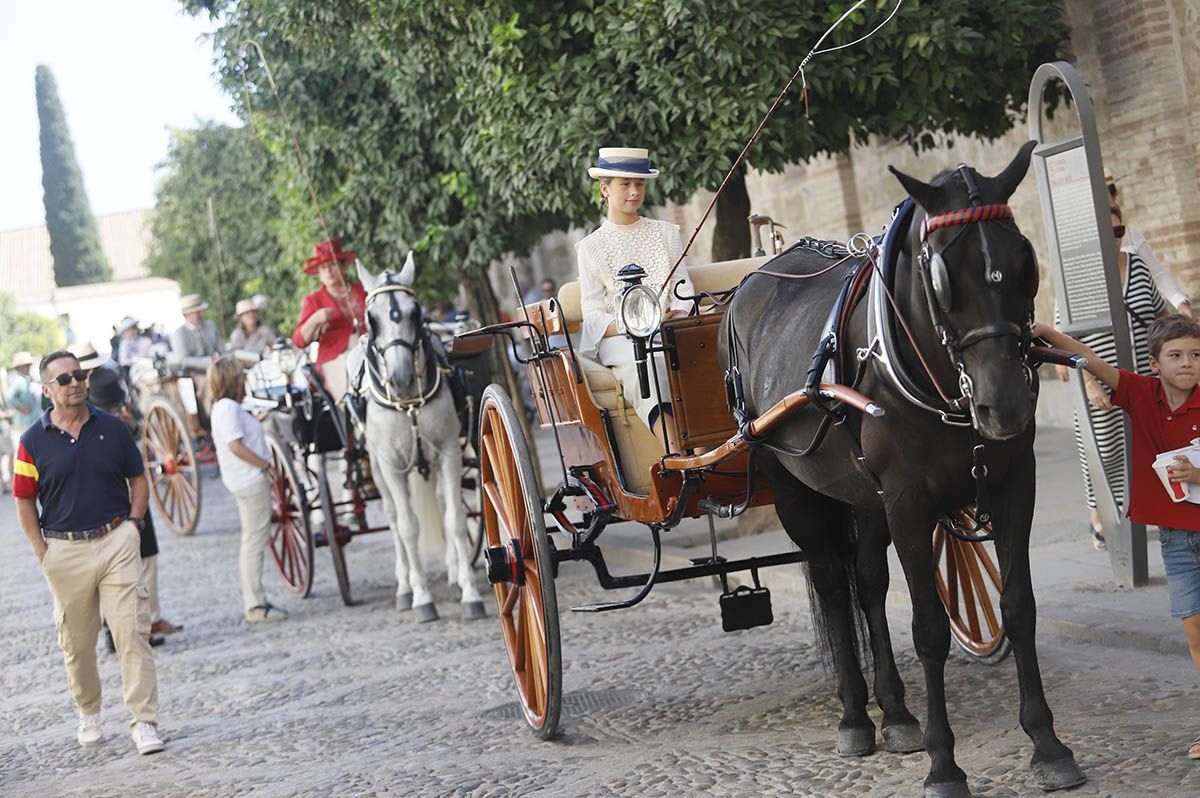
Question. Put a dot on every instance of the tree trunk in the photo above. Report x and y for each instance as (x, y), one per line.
(731, 236)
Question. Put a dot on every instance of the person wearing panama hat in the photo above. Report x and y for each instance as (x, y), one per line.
(626, 237)
(250, 333)
(333, 314)
(18, 410)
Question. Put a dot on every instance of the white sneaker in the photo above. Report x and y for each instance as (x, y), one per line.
(145, 737)
(90, 732)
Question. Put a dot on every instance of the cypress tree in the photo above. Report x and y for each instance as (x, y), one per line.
(74, 242)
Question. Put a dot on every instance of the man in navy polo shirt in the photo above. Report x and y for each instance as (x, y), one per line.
(84, 470)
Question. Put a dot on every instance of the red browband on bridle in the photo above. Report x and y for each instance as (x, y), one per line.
(978, 213)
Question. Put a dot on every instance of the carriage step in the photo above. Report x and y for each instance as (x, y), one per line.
(746, 607)
(717, 510)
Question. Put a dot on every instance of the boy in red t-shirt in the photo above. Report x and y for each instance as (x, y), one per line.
(1164, 414)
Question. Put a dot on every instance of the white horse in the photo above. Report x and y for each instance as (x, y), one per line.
(411, 420)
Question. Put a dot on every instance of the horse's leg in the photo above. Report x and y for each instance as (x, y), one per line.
(454, 522)
(404, 596)
(1053, 763)
(911, 522)
(406, 530)
(818, 525)
(901, 732)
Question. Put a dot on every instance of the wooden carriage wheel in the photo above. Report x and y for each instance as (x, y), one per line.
(291, 535)
(334, 538)
(969, 584)
(171, 466)
(512, 517)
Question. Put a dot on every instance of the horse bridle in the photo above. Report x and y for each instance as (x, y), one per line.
(417, 347)
(935, 280)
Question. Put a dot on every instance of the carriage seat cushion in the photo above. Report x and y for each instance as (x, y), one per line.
(720, 276)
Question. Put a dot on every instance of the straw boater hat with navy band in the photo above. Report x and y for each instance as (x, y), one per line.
(623, 162)
(328, 252)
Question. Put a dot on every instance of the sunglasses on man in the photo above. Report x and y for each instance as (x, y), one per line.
(1118, 231)
(78, 375)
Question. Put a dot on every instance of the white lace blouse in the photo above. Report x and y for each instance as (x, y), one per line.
(650, 243)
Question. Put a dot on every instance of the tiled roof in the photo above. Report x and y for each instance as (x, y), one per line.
(27, 269)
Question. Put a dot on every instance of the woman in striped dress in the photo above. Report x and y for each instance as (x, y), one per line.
(1143, 303)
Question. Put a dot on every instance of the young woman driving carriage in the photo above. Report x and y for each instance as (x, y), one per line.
(623, 238)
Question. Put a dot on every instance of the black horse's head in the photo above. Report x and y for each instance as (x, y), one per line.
(975, 276)
(394, 328)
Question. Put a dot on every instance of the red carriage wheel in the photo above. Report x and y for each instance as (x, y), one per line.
(291, 535)
(335, 538)
(969, 584)
(512, 520)
(171, 466)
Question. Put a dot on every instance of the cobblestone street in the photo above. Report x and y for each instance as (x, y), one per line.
(344, 701)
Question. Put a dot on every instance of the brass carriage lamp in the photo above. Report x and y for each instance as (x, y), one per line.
(638, 319)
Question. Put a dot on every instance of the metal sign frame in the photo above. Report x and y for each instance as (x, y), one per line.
(1126, 540)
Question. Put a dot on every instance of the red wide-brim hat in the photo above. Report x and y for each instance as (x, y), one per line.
(328, 252)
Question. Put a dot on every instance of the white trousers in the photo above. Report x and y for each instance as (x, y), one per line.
(254, 511)
(617, 354)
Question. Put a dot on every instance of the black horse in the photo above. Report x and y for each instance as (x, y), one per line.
(959, 399)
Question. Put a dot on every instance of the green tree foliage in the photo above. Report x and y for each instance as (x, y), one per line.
(465, 128)
(239, 175)
(74, 242)
(26, 332)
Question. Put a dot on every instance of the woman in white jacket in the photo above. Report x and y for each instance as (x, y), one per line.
(623, 238)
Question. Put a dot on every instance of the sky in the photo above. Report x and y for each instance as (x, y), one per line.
(127, 71)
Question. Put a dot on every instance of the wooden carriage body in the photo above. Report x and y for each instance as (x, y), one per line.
(600, 432)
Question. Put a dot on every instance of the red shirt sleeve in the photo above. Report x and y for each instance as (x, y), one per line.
(25, 475)
(308, 306)
(1129, 386)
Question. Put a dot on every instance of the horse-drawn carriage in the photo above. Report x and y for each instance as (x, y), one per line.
(613, 469)
(323, 472)
(164, 405)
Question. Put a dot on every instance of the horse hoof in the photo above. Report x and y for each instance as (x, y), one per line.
(903, 738)
(856, 742)
(1058, 774)
(425, 613)
(949, 789)
(404, 601)
(473, 611)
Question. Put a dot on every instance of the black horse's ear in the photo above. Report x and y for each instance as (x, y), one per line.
(923, 193)
(1007, 181)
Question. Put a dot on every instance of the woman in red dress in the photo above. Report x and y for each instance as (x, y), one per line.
(333, 315)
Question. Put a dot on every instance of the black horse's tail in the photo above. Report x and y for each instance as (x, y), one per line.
(841, 569)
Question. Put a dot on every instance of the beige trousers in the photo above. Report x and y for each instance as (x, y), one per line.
(86, 578)
(254, 511)
(148, 576)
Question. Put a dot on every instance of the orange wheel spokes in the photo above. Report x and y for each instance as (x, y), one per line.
(969, 584)
(509, 508)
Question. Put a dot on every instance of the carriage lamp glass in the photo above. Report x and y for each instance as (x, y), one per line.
(640, 313)
(286, 359)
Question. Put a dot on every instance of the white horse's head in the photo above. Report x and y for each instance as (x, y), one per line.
(395, 326)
